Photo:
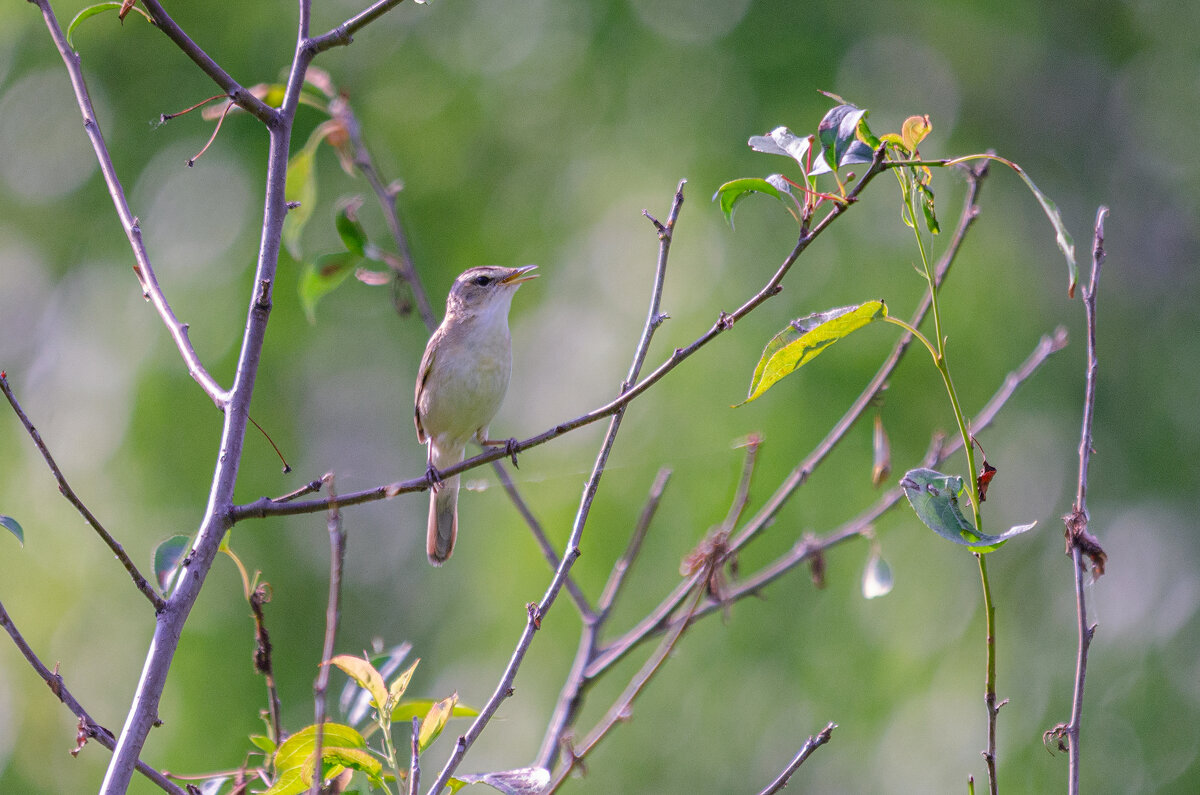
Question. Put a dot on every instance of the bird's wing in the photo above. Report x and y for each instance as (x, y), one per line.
(422, 377)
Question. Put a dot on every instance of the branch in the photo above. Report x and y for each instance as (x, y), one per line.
(333, 613)
(659, 620)
(537, 612)
(88, 728)
(812, 744)
(1080, 541)
(236, 92)
(265, 506)
(65, 489)
(343, 34)
(142, 267)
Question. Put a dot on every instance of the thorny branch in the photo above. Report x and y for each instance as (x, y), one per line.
(88, 728)
(65, 489)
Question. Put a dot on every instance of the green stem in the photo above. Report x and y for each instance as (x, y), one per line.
(389, 747)
(989, 611)
(939, 360)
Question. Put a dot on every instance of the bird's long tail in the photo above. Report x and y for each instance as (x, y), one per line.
(443, 508)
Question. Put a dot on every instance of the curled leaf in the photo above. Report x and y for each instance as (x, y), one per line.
(729, 194)
(782, 141)
(934, 497)
(166, 559)
(100, 8)
(14, 527)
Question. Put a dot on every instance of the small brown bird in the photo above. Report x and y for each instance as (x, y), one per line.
(461, 383)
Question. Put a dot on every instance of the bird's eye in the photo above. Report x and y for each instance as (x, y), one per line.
(482, 281)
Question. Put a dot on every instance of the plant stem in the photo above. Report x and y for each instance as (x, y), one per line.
(989, 696)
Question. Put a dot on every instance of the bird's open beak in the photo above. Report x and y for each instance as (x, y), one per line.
(519, 275)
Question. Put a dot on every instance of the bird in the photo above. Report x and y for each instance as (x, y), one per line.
(460, 384)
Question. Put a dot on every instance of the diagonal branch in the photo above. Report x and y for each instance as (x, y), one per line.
(343, 34)
(142, 267)
(66, 490)
(88, 728)
(812, 744)
(236, 92)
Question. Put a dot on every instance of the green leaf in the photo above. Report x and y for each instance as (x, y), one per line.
(435, 721)
(839, 139)
(14, 527)
(1061, 236)
(300, 191)
(349, 228)
(322, 277)
(733, 192)
(931, 221)
(411, 708)
(93, 10)
(400, 684)
(523, 781)
(167, 557)
(263, 743)
(934, 497)
(341, 747)
(803, 339)
(365, 674)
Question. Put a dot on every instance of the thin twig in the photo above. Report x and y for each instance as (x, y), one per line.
(236, 92)
(263, 659)
(88, 727)
(620, 569)
(812, 744)
(333, 614)
(403, 265)
(414, 764)
(1080, 541)
(539, 535)
(659, 619)
(623, 706)
(343, 34)
(570, 698)
(142, 267)
(65, 489)
(538, 612)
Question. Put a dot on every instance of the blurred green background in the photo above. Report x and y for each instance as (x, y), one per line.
(536, 132)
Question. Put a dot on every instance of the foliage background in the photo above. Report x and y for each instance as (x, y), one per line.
(536, 132)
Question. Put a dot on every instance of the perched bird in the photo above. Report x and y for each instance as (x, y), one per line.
(460, 384)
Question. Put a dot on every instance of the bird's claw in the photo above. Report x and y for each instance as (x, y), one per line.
(433, 477)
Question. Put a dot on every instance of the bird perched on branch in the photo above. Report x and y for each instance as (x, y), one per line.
(460, 385)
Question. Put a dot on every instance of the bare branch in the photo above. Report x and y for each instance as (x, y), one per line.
(142, 267)
(343, 34)
(65, 489)
(812, 744)
(333, 613)
(235, 91)
(539, 535)
(88, 727)
(1080, 541)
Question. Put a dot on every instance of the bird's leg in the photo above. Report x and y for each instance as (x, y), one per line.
(509, 445)
(432, 476)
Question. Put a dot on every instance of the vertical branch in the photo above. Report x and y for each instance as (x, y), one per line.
(333, 614)
(1080, 541)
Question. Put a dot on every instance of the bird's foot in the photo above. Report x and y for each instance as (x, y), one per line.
(511, 448)
(433, 478)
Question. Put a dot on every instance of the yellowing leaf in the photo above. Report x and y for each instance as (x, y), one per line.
(400, 684)
(362, 672)
(435, 721)
(803, 340)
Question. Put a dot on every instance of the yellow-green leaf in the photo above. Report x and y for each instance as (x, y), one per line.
(365, 674)
(92, 11)
(803, 339)
(400, 684)
(405, 711)
(435, 721)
